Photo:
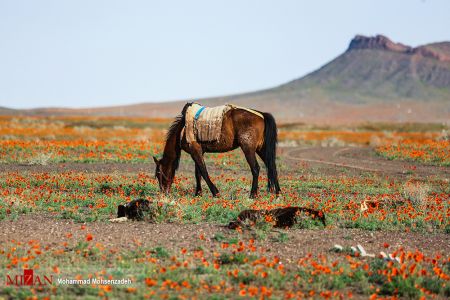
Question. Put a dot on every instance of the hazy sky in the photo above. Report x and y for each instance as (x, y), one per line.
(95, 53)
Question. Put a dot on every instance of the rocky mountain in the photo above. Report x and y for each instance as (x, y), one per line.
(375, 79)
(375, 69)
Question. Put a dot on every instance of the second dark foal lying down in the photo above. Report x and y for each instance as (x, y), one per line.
(140, 210)
(281, 217)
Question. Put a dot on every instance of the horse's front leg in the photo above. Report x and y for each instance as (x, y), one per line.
(198, 181)
(197, 155)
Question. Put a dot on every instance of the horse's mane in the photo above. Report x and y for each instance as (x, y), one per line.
(175, 130)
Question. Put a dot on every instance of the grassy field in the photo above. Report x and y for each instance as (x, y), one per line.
(410, 205)
(221, 263)
(41, 140)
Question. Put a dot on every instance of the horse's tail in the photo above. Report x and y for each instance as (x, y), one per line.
(270, 151)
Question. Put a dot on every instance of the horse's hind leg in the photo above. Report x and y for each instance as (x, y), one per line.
(250, 156)
(197, 155)
(261, 155)
(263, 158)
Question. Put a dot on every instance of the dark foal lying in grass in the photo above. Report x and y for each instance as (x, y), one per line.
(281, 217)
(137, 209)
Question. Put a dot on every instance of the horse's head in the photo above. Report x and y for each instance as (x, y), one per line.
(164, 175)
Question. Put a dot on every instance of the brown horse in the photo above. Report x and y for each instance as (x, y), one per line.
(240, 128)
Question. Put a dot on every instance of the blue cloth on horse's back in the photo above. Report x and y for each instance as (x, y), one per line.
(197, 115)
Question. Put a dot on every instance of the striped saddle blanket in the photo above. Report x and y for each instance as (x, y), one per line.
(204, 124)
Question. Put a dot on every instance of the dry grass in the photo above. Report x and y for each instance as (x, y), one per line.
(417, 193)
(40, 159)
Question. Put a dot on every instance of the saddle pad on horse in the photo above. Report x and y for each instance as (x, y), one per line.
(204, 124)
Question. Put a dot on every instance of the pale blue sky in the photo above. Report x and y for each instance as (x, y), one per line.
(96, 53)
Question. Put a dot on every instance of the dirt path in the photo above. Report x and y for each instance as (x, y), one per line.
(127, 236)
(329, 160)
(80, 167)
(361, 159)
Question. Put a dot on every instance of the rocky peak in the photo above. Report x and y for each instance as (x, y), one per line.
(381, 42)
(377, 42)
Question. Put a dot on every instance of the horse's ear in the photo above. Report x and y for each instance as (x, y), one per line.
(156, 160)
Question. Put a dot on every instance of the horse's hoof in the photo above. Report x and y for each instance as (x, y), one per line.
(198, 194)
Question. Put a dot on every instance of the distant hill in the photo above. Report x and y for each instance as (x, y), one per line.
(375, 79)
